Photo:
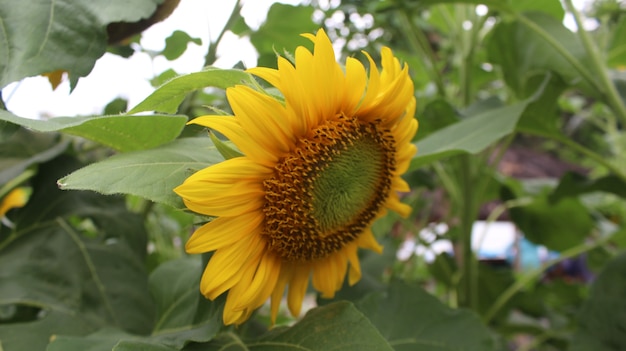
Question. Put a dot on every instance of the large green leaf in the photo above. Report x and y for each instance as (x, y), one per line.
(72, 256)
(338, 326)
(471, 135)
(121, 132)
(183, 314)
(151, 174)
(411, 319)
(617, 48)
(574, 184)
(168, 96)
(558, 226)
(179, 304)
(41, 36)
(602, 319)
(523, 53)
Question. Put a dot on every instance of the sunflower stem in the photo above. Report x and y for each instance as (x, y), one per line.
(468, 212)
(420, 44)
(211, 55)
(597, 65)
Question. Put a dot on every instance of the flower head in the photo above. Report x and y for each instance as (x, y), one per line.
(317, 170)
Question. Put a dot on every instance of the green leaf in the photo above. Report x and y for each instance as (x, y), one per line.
(574, 184)
(338, 326)
(115, 107)
(131, 345)
(602, 318)
(44, 36)
(175, 288)
(551, 7)
(168, 96)
(542, 117)
(617, 47)
(522, 52)
(176, 44)
(558, 226)
(163, 77)
(471, 135)
(227, 151)
(151, 174)
(121, 132)
(493, 4)
(89, 266)
(437, 114)
(25, 149)
(278, 36)
(179, 304)
(411, 319)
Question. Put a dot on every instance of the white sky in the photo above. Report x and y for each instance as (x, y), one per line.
(114, 76)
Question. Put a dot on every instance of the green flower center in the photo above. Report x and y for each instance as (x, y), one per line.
(329, 189)
(347, 184)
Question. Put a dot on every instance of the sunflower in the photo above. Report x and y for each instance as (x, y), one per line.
(318, 169)
(16, 198)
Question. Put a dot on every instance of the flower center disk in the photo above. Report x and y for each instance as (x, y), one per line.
(329, 189)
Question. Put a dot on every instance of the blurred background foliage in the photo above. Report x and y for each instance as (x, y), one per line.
(521, 121)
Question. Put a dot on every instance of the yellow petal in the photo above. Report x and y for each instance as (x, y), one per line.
(356, 79)
(231, 128)
(393, 203)
(225, 266)
(297, 288)
(227, 189)
(223, 231)
(354, 274)
(16, 198)
(264, 118)
(272, 76)
(259, 287)
(368, 241)
(279, 290)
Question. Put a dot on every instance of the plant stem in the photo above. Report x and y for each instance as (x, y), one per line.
(608, 88)
(211, 55)
(468, 214)
(592, 155)
(419, 43)
(534, 274)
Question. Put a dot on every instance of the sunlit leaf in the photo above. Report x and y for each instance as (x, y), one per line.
(523, 53)
(471, 135)
(44, 36)
(151, 174)
(121, 132)
(168, 96)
